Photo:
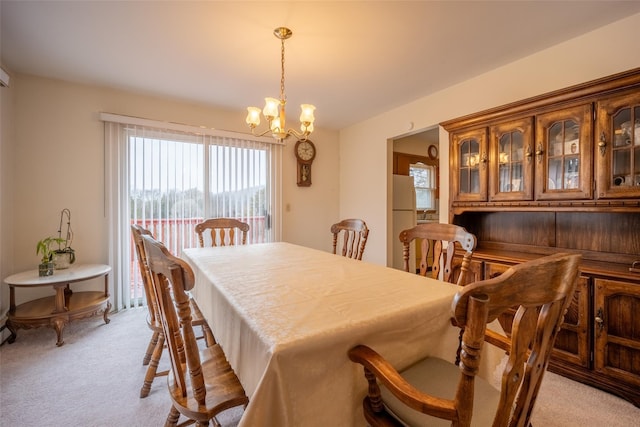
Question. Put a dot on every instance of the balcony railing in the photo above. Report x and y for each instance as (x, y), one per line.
(178, 234)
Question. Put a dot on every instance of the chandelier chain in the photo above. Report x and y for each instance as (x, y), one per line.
(282, 71)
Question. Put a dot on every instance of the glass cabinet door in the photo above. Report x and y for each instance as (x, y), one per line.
(511, 160)
(469, 160)
(563, 154)
(618, 147)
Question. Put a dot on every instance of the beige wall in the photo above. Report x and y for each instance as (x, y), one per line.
(417, 144)
(7, 136)
(363, 190)
(58, 162)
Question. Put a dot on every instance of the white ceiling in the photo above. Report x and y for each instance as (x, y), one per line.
(353, 60)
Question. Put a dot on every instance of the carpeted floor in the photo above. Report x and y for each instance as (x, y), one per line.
(94, 380)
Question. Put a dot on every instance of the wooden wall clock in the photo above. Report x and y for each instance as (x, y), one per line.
(305, 152)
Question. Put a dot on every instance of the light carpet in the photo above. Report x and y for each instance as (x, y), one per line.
(94, 380)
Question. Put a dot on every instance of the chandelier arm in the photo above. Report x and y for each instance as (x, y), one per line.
(260, 134)
(298, 135)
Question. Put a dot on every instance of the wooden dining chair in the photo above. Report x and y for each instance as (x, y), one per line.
(350, 238)
(433, 390)
(157, 343)
(435, 256)
(222, 231)
(438, 246)
(201, 382)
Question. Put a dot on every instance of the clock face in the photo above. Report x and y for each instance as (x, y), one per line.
(305, 150)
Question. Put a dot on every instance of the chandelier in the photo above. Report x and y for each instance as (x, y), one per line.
(274, 109)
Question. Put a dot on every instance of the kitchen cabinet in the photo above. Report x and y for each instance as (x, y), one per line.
(560, 172)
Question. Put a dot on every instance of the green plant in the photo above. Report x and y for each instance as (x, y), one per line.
(66, 248)
(44, 248)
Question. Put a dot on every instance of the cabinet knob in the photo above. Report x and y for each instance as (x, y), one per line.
(529, 152)
(602, 144)
(599, 319)
(539, 151)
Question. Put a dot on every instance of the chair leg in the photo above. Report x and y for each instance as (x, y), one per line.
(153, 366)
(172, 418)
(209, 339)
(150, 347)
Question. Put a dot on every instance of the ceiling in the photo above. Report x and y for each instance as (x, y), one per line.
(353, 60)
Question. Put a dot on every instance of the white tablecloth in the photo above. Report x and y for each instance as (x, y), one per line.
(287, 315)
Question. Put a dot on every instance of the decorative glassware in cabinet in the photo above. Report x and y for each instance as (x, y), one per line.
(618, 146)
(563, 155)
(469, 169)
(468, 173)
(625, 167)
(510, 158)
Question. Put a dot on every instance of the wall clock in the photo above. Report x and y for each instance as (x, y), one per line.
(433, 152)
(305, 152)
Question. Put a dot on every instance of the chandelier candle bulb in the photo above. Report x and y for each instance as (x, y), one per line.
(253, 116)
(271, 106)
(275, 126)
(307, 113)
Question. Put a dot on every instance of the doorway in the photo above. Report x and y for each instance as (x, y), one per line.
(416, 155)
(420, 147)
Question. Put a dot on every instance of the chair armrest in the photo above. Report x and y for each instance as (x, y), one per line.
(396, 384)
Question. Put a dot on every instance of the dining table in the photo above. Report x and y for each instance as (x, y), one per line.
(286, 316)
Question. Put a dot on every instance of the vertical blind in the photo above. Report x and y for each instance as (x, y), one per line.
(167, 178)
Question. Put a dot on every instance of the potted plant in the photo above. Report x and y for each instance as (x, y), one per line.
(64, 256)
(44, 248)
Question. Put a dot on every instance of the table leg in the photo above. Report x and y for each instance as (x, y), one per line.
(106, 294)
(12, 338)
(60, 303)
(12, 298)
(12, 309)
(58, 325)
(106, 312)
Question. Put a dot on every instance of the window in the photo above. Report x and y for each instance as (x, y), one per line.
(171, 190)
(424, 178)
(168, 178)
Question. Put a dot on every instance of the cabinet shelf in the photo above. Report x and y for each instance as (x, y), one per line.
(630, 205)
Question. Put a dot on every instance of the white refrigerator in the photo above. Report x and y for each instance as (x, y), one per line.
(404, 216)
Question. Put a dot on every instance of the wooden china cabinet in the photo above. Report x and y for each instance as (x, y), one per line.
(560, 172)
